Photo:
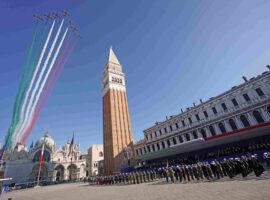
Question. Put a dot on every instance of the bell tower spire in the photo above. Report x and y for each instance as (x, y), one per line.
(116, 121)
(112, 57)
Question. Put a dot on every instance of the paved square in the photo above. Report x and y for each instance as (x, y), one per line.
(237, 189)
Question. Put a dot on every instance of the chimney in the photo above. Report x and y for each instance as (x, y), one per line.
(201, 101)
(181, 110)
(194, 104)
(166, 117)
(268, 66)
(245, 79)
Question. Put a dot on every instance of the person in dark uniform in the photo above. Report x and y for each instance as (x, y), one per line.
(199, 169)
(205, 171)
(190, 172)
(137, 177)
(182, 169)
(257, 167)
(266, 156)
(187, 172)
(177, 173)
(195, 172)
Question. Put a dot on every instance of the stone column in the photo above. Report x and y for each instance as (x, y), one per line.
(264, 114)
(54, 175)
(156, 147)
(227, 126)
(166, 145)
(177, 140)
(65, 174)
(251, 119)
(238, 122)
(171, 141)
(217, 129)
(208, 134)
(160, 145)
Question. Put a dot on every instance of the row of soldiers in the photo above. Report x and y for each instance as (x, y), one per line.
(214, 170)
(183, 173)
(135, 177)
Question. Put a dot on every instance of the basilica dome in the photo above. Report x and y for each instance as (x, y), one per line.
(48, 141)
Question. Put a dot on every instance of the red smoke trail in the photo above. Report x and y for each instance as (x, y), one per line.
(49, 87)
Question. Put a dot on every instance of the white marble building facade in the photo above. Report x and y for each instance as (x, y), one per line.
(242, 108)
(95, 154)
(58, 164)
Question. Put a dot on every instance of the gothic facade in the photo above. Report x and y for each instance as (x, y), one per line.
(66, 163)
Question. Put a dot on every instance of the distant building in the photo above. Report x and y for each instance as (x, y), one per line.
(94, 156)
(101, 167)
(116, 121)
(58, 164)
(237, 116)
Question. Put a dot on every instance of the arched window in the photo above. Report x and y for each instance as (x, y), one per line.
(180, 138)
(153, 147)
(258, 116)
(158, 147)
(100, 154)
(148, 148)
(232, 124)
(174, 141)
(212, 130)
(244, 121)
(141, 151)
(222, 127)
(168, 143)
(187, 136)
(144, 149)
(195, 134)
(203, 133)
(163, 145)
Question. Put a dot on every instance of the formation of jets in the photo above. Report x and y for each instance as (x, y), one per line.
(59, 15)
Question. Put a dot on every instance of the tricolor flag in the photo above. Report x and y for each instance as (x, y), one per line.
(71, 145)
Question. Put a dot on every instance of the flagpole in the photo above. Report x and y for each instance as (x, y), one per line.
(71, 152)
(40, 161)
(38, 174)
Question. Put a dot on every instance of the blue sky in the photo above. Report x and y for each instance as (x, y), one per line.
(173, 53)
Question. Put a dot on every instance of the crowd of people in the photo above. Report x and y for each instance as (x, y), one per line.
(243, 166)
(220, 152)
(248, 148)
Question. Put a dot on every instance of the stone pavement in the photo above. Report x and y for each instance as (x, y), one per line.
(237, 189)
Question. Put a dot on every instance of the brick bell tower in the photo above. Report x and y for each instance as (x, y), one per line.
(116, 121)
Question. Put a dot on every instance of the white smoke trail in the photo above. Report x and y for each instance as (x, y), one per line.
(37, 84)
(43, 83)
(31, 85)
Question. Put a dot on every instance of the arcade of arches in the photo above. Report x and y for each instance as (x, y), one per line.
(58, 164)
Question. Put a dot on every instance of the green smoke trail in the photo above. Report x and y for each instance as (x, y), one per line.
(31, 70)
(28, 78)
(15, 106)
